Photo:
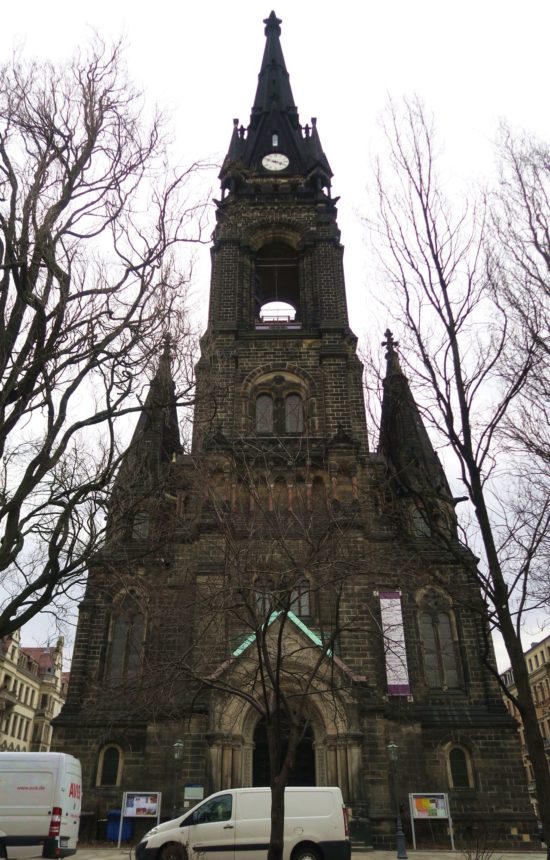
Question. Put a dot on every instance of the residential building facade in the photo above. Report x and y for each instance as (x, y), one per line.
(537, 658)
(33, 687)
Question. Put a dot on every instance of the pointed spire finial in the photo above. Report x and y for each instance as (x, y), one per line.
(392, 356)
(166, 345)
(272, 24)
(389, 343)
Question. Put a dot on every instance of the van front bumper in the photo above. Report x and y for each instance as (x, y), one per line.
(143, 853)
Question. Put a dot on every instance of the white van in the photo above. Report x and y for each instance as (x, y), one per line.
(40, 800)
(235, 825)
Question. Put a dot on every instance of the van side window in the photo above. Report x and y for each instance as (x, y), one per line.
(217, 809)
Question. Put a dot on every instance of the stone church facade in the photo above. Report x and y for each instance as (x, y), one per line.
(279, 502)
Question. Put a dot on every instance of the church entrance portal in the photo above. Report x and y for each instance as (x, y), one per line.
(304, 765)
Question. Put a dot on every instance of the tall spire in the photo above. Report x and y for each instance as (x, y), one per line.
(156, 439)
(403, 438)
(274, 127)
(158, 422)
(273, 92)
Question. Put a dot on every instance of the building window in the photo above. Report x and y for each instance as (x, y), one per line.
(281, 415)
(126, 640)
(109, 766)
(460, 769)
(263, 588)
(439, 651)
(294, 414)
(264, 414)
(299, 599)
(419, 519)
(140, 525)
(440, 666)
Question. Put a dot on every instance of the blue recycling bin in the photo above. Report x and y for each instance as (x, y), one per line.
(113, 824)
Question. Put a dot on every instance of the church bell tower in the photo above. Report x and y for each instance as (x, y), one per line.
(279, 504)
(278, 335)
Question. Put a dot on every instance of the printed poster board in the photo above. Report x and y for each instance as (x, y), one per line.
(430, 806)
(139, 804)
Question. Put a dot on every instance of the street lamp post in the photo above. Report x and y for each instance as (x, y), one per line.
(178, 755)
(400, 843)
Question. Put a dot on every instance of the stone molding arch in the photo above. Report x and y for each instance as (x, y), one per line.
(266, 232)
(274, 367)
(433, 596)
(336, 743)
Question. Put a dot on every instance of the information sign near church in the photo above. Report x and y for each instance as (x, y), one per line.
(139, 804)
(432, 806)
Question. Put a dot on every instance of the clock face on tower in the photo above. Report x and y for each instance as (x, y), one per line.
(275, 161)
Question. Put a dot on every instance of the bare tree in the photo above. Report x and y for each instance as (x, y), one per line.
(462, 340)
(90, 221)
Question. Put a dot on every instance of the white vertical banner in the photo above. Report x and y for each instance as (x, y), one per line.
(395, 652)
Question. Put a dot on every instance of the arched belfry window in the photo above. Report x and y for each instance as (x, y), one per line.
(277, 283)
(279, 403)
(439, 652)
(281, 414)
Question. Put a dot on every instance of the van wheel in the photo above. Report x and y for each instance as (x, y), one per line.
(173, 851)
(307, 851)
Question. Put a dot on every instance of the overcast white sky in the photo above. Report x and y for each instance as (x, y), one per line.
(473, 63)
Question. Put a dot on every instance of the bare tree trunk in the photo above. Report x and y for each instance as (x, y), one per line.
(450, 280)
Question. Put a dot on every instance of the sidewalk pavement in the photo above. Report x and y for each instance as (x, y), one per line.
(127, 853)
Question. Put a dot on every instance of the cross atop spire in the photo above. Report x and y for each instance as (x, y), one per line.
(390, 343)
(272, 24)
(392, 356)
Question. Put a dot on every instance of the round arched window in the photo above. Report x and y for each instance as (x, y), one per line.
(459, 767)
(109, 766)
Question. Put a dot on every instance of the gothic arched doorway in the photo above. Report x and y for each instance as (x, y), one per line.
(304, 764)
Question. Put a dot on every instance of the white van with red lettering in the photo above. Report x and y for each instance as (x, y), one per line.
(40, 800)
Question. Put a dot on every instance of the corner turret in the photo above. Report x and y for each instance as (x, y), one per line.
(416, 471)
(155, 444)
